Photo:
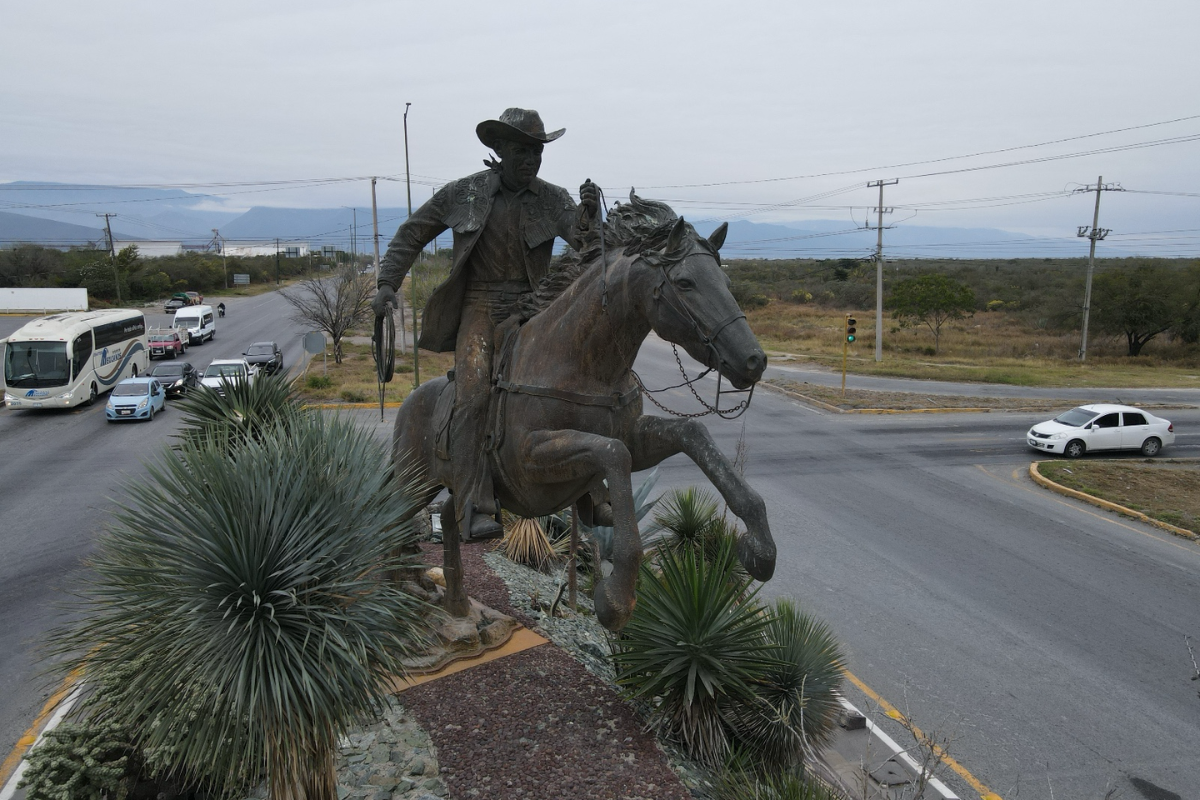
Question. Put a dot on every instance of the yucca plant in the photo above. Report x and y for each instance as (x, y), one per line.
(250, 592)
(796, 701)
(245, 412)
(694, 644)
(526, 542)
(689, 518)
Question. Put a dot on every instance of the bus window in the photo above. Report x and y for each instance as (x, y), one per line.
(81, 352)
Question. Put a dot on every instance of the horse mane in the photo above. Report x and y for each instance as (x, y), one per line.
(636, 227)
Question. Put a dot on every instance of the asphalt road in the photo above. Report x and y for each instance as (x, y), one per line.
(1044, 639)
(61, 473)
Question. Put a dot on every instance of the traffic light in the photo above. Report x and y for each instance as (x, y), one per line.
(850, 329)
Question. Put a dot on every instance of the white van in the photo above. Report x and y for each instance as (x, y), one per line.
(198, 321)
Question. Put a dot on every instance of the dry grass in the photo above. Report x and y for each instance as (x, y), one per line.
(991, 347)
(526, 542)
(354, 381)
(914, 401)
(1168, 491)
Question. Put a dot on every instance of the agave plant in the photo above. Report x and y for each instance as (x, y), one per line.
(797, 699)
(694, 645)
(245, 412)
(602, 535)
(250, 592)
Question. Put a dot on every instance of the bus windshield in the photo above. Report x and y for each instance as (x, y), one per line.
(36, 365)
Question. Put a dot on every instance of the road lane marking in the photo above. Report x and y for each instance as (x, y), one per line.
(984, 792)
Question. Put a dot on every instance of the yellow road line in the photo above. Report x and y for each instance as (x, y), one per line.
(984, 792)
(30, 736)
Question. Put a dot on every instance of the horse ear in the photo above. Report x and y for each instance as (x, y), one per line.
(678, 233)
(717, 237)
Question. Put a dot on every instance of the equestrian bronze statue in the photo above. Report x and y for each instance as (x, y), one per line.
(565, 420)
(505, 220)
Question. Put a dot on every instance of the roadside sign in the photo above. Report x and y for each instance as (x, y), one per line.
(314, 342)
(241, 279)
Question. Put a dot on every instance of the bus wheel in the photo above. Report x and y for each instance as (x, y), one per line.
(133, 372)
(91, 401)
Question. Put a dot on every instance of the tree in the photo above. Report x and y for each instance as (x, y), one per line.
(1142, 302)
(334, 304)
(931, 300)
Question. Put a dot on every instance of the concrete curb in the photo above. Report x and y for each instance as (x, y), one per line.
(1041, 479)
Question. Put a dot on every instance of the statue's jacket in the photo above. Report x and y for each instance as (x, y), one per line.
(463, 205)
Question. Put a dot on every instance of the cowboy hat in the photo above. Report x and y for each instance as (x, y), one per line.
(517, 125)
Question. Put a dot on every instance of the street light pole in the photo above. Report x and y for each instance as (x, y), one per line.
(412, 271)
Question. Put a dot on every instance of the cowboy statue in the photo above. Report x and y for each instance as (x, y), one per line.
(505, 221)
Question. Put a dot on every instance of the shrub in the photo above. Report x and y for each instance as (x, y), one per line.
(318, 381)
(797, 699)
(695, 644)
(353, 396)
(252, 589)
(244, 413)
(80, 761)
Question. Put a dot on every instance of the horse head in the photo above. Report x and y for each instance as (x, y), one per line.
(693, 307)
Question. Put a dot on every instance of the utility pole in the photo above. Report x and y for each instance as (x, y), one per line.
(412, 271)
(277, 280)
(880, 210)
(1095, 233)
(112, 255)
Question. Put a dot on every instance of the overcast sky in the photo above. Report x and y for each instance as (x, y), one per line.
(723, 109)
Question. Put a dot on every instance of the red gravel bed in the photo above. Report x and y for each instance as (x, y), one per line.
(535, 724)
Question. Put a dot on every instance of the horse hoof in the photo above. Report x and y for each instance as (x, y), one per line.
(760, 563)
(612, 615)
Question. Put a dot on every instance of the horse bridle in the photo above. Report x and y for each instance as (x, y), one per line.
(679, 305)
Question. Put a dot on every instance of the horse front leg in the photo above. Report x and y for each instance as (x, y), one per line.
(658, 438)
(555, 457)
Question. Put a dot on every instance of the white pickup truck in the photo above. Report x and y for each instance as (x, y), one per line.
(227, 370)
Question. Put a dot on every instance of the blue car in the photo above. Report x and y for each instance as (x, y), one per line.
(135, 398)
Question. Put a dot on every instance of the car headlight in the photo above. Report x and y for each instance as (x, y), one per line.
(110, 406)
(142, 404)
(1060, 436)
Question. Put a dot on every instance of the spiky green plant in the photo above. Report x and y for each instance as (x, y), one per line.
(245, 412)
(694, 644)
(251, 592)
(797, 699)
(690, 519)
(742, 779)
(80, 761)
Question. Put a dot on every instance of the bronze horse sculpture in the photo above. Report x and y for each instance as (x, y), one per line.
(567, 407)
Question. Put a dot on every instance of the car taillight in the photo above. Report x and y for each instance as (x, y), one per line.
(1170, 427)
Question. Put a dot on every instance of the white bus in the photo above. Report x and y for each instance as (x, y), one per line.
(63, 360)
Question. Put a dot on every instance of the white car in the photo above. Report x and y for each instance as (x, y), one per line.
(227, 370)
(1102, 427)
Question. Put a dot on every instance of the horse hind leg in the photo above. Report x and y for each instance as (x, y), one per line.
(564, 455)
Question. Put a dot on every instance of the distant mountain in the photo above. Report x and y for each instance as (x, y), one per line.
(174, 215)
(18, 229)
